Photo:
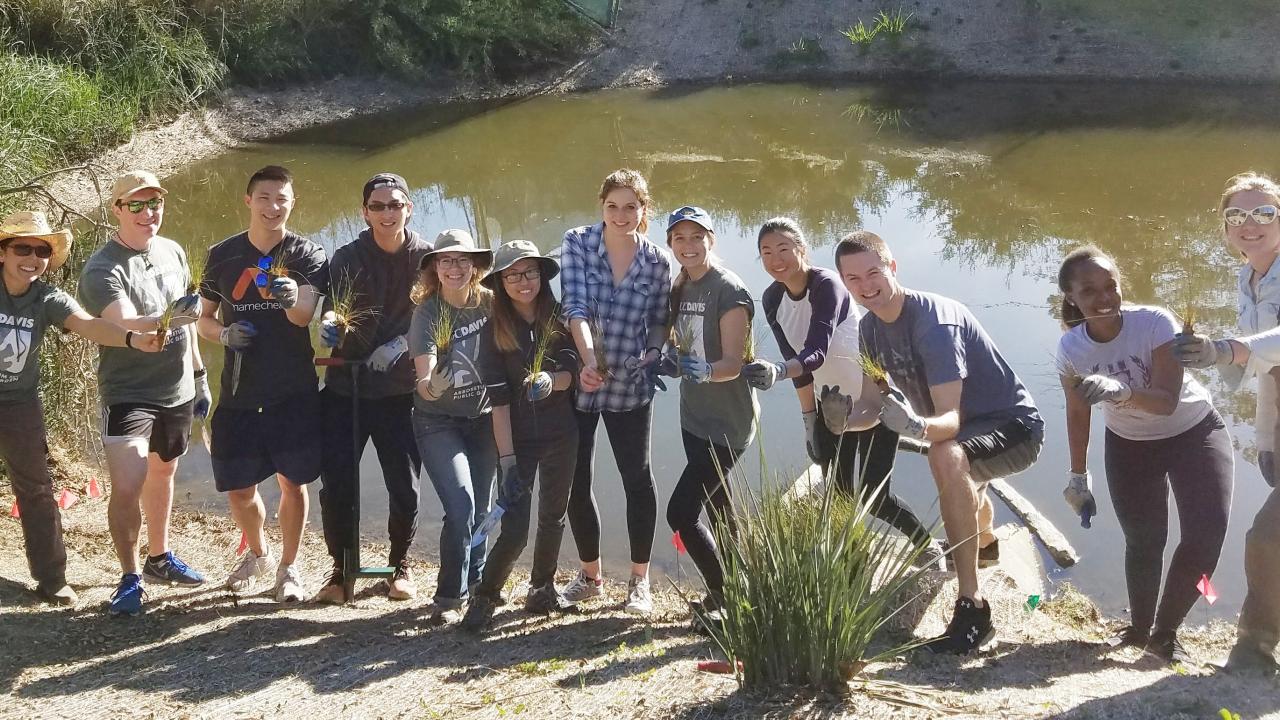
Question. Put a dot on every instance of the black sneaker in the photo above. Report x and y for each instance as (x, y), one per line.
(1165, 645)
(479, 613)
(1248, 658)
(1129, 636)
(546, 600)
(970, 628)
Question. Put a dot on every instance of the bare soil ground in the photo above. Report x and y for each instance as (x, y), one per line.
(206, 653)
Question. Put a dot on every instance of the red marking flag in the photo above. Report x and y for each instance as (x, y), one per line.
(66, 499)
(677, 542)
(94, 490)
(1206, 589)
(13, 511)
(244, 544)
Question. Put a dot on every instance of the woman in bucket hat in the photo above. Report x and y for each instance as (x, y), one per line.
(452, 418)
(533, 424)
(28, 306)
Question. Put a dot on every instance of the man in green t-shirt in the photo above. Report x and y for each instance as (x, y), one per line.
(138, 280)
(28, 307)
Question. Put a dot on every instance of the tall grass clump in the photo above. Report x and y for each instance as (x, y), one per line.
(808, 586)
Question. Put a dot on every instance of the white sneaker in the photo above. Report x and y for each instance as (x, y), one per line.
(249, 570)
(639, 600)
(289, 585)
(583, 588)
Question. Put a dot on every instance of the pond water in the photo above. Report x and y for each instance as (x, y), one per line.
(979, 189)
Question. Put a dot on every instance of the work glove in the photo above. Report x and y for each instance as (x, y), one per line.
(695, 369)
(811, 436)
(439, 382)
(330, 332)
(897, 415)
(184, 311)
(1100, 388)
(540, 387)
(284, 290)
(204, 398)
(836, 408)
(509, 492)
(1198, 351)
(668, 365)
(1267, 464)
(762, 374)
(386, 354)
(238, 335)
(648, 368)
(1079, 495)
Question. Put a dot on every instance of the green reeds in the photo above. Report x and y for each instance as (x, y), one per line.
(597, 342)
(348, 315)
(749, 345)
(874, 372)
(196, 265)
(808, 586)
(684, 335)
(546, 331)
(442, 328)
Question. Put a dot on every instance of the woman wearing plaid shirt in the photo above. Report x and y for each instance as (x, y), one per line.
(615, 285)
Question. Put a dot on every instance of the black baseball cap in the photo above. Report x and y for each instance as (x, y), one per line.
(385, 180)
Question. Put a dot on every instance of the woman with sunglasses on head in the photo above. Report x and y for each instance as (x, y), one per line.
(533, 423)
(1163, 434)
(1250, 205)
(452, 418)
(28, 307)
(615, 286)
(815, 323)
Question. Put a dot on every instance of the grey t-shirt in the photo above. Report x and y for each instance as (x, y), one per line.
(473, 370)
(23, 319)
(937, 340)
(151, 280)
(721, 412)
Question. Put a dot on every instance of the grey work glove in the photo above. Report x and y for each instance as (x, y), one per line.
(184, 311)
(386, 354)
(204, 398)
(811, 435)
(1079, 495)
(540, 387)
(897, 415)
(1100, 388)
(330, 332)
(1267, 464)
(285, 291)
(695, 369)
(762, 374)
(836, 408)
(509, 490)
(1198, 351)
(439, 382)
(238, 335)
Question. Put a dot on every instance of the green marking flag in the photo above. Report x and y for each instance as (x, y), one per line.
(1033, 602)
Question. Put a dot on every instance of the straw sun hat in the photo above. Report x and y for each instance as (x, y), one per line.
(35, 225)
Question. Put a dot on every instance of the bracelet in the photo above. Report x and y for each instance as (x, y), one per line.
(128, 339)
(655, 349)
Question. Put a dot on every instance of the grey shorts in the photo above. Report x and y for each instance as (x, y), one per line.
(1007, 450)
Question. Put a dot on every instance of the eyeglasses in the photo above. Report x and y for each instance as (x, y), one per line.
(514, 277)
(379, 207)
(44, 252)
(448, 262)
(1263, 215)
(135, 206)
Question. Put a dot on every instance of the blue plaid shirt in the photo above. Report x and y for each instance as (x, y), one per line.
(625, 313)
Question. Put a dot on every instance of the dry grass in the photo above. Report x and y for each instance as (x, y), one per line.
(874, 372)
(348, 315)
(442, 329)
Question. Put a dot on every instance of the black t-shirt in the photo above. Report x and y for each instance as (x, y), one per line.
(550, 415)
(277, 364)
(382, 282)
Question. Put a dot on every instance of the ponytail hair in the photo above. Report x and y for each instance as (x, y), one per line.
(788, 227)
(1071, 315)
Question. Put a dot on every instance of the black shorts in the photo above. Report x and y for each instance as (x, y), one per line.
(250, 445)
(166, 429)
(1007, 450)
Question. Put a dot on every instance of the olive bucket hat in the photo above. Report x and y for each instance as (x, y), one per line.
(36, 226)
(512, 252)
(459, 241)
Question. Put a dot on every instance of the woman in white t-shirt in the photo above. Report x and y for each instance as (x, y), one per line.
(1162, 433)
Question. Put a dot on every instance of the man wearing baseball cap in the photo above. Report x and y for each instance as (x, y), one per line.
(148, 401)
(376, 273)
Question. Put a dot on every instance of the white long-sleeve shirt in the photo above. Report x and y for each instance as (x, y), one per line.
(1259, 312)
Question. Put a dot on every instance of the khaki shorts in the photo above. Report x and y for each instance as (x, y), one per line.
(1007, 450)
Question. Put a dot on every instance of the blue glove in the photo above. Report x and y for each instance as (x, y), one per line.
(330, 332)
(204, 398)
(1079, 495)
(695, 369)
(540, 387)
(386, 355)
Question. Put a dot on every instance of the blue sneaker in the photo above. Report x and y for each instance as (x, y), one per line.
(127, 599)
(169, 569)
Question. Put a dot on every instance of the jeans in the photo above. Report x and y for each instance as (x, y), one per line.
(701, 485)
(552, 455)
(1260, 616)
(459, 456)
(388, 421)
(23, 446)
(629, 436)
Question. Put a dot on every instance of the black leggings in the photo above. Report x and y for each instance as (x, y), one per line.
(629, 437)
(876, 449)
(1198, 465)
(701, 486)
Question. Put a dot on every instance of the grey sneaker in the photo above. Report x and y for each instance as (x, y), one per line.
(639, 600)
(446, 616)
(289, 585)
(250, 570)
(583, 588)
(546, 600)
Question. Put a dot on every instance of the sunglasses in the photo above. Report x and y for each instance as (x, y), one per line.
(44, 252)
(1263, 215)
(135, 206)
(379, 207)
(515, 277)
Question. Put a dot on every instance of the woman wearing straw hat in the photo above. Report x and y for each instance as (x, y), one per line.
(28, 306)
(452, 421)
(533, 423)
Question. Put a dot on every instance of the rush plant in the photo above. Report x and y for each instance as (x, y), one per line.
(546, 331)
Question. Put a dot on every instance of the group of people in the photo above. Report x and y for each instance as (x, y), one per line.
(472, 369)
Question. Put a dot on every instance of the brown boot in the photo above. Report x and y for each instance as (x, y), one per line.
(334, 591)
(401, 585)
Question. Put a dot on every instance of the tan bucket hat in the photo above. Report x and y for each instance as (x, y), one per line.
(459, 241)
(34, 225)
(512, 252)
(133, 181)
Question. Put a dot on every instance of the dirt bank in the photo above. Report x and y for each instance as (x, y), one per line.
(204, 653)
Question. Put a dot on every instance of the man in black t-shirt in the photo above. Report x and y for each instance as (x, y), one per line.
(259, 293)
(370, 281)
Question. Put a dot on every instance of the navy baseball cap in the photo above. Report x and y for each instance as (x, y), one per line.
(692, 213)
(385, 180)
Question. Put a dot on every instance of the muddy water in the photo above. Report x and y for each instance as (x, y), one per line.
(979, 189)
